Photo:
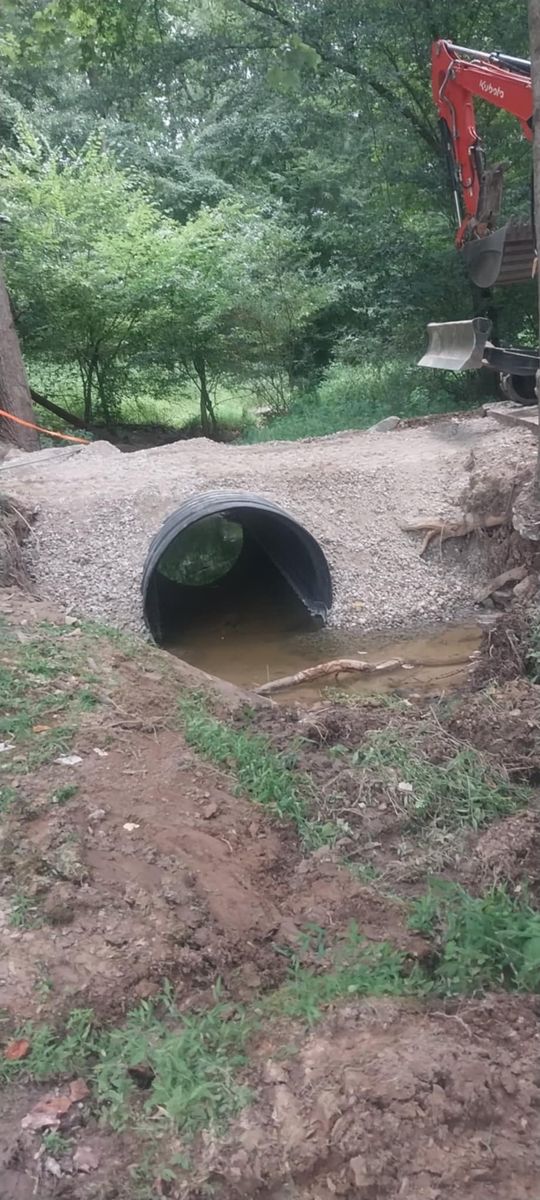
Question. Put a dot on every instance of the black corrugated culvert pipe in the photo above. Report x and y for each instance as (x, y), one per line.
(219, 541)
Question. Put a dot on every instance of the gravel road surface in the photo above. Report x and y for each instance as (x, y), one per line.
(99, 508)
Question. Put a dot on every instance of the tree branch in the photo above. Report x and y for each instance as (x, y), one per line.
(349, 67)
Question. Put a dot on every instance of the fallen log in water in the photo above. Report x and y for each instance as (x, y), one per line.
(338, 666)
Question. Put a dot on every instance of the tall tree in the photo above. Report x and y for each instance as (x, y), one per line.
(14, 391)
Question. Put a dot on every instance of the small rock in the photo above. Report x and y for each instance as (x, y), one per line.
(85, 1159)
(52, 1167)
(386, 425)
(359, 1175)
(129, 826)
(116, 939)
(274, 1072)
(209, 811)
(96, 815)
(58, 906)
(146, 988)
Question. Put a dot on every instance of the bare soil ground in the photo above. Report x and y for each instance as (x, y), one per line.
(170, 941)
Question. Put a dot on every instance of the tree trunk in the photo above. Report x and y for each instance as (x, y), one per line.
(208, 416)
(63, 413)
(534, 38)
(14, 390)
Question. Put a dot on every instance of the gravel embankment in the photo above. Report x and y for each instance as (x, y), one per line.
(99, 509)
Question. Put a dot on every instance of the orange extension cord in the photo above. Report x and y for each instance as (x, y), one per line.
(65, 437)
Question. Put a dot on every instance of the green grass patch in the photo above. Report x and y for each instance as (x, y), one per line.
(56, 1053)
(46, 688)
(190, 1071)
(37, 691)
(63, 794)
(8, 798)
(358, 968)
(481, 943)
(195, 1065)
(268, 777)
(23, 912)
(56, 1144)
(464, 790)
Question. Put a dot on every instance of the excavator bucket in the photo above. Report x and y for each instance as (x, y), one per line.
(503, 257)
(457, 345)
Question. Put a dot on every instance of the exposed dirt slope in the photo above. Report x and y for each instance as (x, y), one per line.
(143, 862)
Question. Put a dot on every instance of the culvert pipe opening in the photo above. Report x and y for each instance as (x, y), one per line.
(230, 573)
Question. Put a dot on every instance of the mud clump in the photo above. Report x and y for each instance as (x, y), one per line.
(508, 852)
(504, 650)
(397, 1104)
(504, 723)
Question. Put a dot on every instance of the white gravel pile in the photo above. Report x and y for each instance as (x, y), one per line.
(99, 509)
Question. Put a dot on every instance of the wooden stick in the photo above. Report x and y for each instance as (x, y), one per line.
(339, 666)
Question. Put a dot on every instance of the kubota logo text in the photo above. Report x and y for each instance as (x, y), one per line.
(492, 89)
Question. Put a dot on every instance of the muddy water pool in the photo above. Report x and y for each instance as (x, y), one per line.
(250, 644)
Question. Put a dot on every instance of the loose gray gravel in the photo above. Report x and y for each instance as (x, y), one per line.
(99, 508)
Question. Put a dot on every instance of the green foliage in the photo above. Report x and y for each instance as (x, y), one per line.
(190, 1070)
(56, 1143)
(23, 912)
(242, 194)
(463, 790)
(267, 777)
(30, 706)
(194, 1062)
(193, 1066)
(8, 798)
(355, 397)
(204, 553)
(55, 1054)
(86, 254)
(65, 793)
(358, 968)
(482, 943)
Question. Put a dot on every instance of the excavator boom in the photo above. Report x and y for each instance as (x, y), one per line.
(458, 77)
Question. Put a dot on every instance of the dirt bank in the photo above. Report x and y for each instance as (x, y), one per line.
(99, 509)
(221, 967)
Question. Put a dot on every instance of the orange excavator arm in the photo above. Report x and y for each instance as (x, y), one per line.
(458, 76)
(492, 256)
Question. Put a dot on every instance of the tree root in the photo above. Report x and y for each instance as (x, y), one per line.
(513, 575)
(454, 529)
(339, 666)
